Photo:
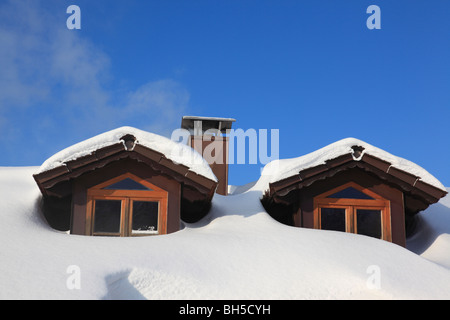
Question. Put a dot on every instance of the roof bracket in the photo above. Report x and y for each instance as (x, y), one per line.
(129, 141)
(357, 152)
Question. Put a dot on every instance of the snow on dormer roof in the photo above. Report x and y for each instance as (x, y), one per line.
(279, 170)
(176, 152)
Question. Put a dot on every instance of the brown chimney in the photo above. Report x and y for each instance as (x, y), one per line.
(208, 137)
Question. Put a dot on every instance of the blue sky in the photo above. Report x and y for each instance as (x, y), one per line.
(311, 69)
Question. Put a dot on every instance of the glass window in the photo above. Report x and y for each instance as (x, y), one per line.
(145, 217)
(107, 216)
(332, 219)
(127, 184)
(350, 193)
(368, 222)
(355, 209)
(126, 206)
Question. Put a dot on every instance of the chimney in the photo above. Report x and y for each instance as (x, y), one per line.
(208, 137)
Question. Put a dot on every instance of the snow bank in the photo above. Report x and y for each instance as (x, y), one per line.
(236, 252)
(432, 235)
(281, 169)
(176, 152)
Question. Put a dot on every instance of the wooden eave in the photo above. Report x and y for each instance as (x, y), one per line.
(101, 157)
(383, 169)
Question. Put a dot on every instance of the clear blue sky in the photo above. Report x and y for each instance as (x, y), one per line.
(311, 69)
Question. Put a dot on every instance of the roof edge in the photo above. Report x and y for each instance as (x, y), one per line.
(386, 167)
(101, 157)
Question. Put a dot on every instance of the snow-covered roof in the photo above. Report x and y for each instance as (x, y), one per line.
(282, 169)
(174, 151)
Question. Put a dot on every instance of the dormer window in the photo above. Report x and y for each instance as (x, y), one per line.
(125, 182)
(351, 208)
(126, 206)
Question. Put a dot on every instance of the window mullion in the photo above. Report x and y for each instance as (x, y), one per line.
(125, 216)
(350, 220)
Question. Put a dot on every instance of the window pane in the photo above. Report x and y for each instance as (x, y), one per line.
(107, 216)
(332, 219)
(145, 217)
(127, 184)
(350, 193)
(369, 222)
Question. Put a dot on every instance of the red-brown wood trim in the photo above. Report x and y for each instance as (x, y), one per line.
(124, 176)
(347, 185)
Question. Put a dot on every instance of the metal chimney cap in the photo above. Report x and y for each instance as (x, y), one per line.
(221, 124)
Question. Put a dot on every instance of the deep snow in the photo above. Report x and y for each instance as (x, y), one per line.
(236, 252)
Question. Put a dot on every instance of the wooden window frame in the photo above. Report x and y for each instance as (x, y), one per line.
(352, 205)
(127, 197)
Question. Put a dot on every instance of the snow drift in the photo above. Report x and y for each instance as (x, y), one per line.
(236, 252)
